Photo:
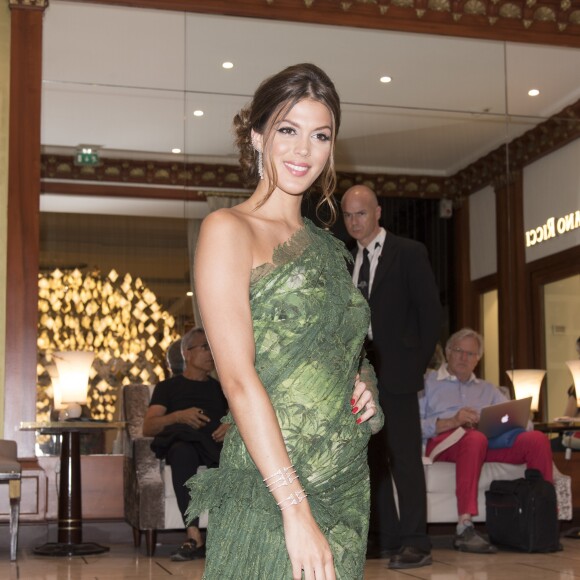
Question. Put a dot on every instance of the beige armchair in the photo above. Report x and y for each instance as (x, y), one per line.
(150, 502)
(10, 472)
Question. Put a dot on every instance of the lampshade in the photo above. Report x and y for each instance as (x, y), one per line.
(527, 383)
(73, 375)
(54, 379)
(574, 366)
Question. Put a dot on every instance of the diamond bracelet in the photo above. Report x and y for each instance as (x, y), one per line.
(293, 499)
(284, 476)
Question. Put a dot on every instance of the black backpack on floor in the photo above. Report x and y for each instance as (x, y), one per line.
(522, 514)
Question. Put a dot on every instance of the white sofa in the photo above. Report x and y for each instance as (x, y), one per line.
(442, 502)
(440, 483)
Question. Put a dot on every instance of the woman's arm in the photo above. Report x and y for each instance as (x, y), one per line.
(223, 264)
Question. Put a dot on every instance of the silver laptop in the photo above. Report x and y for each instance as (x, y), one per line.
(497, 419)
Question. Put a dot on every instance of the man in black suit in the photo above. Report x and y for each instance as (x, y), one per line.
(395, 276)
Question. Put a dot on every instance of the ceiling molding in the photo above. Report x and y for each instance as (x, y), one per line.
(552, 134)
(545, 138)
(135, 171)
(28, 4)
(122, 177)
(554, 22)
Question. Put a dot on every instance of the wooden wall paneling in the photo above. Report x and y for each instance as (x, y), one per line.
(496, 23)
(514, 332)
(23, 223)
(464, 300)
(101, 483)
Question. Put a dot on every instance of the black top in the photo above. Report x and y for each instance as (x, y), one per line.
(179, 393)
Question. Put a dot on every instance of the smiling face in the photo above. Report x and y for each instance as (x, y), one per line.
(300, 146)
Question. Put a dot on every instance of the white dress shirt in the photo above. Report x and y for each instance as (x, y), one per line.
(375, 248)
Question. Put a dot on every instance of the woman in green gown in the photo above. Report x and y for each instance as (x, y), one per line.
(286, 326)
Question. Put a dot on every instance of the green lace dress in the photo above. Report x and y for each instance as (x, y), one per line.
(309, 325)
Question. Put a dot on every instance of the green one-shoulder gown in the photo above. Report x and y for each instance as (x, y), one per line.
(309, 326)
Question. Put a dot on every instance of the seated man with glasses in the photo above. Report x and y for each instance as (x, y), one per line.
(184, 418)
(453, 397)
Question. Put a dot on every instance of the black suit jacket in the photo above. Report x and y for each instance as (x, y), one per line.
(405, 315)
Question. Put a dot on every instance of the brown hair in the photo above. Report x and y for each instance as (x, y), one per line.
(272, 100)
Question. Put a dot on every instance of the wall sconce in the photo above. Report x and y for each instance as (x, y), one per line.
(72, 385)
(574, 366)
(527, 383)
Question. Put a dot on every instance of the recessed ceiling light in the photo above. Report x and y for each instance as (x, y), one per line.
(533, 92)
(386, 79)
(227, 64)
(198, 113)
(176, 150)
(190, 293)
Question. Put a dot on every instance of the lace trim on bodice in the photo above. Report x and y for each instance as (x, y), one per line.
(284, 253)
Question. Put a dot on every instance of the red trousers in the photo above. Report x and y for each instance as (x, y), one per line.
(471, 452)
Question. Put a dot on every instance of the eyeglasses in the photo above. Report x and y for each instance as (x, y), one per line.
(467, 353)
(204, 346)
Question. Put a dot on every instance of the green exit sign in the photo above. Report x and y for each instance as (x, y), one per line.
(87, 157)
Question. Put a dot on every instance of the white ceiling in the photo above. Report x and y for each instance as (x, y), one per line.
(128, 79)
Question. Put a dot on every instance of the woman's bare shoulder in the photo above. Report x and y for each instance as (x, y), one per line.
(226, 224)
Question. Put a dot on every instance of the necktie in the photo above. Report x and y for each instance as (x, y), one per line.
(364, 275)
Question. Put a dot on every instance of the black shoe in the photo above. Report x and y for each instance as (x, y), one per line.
(188, 551)
(410, 557)
(381, 553)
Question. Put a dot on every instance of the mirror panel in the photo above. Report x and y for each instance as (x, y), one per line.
(451, 102)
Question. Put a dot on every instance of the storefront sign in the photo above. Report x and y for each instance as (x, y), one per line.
(552, 228)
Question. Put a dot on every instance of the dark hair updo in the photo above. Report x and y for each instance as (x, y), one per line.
(272, 100)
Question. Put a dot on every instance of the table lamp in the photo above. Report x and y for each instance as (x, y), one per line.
(527, 383)
(72, 385)
(57, 399)
(574, 366)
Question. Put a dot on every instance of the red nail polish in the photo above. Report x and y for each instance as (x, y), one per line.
(355, 410)
(358, 420)
(351, 402)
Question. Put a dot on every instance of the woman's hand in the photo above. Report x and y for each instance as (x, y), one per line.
(362, 401)
(307, 547)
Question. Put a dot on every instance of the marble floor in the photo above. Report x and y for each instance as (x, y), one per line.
(125, 561)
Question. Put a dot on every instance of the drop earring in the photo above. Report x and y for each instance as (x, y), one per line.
(260, 165)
